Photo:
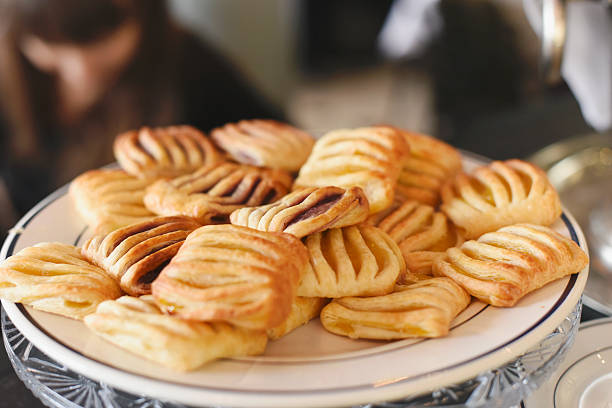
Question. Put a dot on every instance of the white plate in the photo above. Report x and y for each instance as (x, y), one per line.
(584, 379)
(310, 367)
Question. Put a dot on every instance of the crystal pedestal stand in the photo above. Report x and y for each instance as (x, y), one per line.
(57, 386)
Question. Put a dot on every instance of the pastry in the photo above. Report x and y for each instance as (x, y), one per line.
(423, 309)
(235, 274)
(503, 266)
(422, 234)
(136, 254)
(303, 310)
(370, 158)
(307, 211)
(430, 163)
(499, 194)
(55, 278)
(265, 143)
(109, 198)
(213, 192)
(137, 325)
(359, 260)
(164, 151)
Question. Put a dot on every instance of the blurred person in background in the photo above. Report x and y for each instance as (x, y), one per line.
(73, 74)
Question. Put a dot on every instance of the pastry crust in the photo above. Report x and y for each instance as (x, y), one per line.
(137, 325)
(109, 198)
(423, 235)
(266, 143)
(235, 274)
(55, 278)
(503, 266)
(370, 158)
(502, 193)
(136, 254)
(303, 310)
(423, 309)
(211, 193)
(430, 163)
(307, 211)
(359, 260)
(164, 151)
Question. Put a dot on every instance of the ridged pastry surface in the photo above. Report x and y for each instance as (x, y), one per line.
(137, 324)
(235, 274)
(134, 255)
(212, 193)
(499, 194)
(359, 260)
(266, 143)
(423, 309)
(307, 211)
(56, 278)
(164, 151)
(503, 266)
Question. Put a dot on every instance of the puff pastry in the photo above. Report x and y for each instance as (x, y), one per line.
(55, 278)
(430, 163)
(503, 266)
(211, 193)
(502, 193)
(370, 158)
(109, 198)
(423, 309)
(265, 143)
(359, 260)
(307, 211)
(136, 254)
(232, 273)
(164, 151)
(137, 325)
(303, 310)
(422, 234)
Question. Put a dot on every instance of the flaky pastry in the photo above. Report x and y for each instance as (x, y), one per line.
(423, 309)
(266, 143)
(307, 211)
(164, 151)
(499, 194)
(211, 193)
(359, 260)
(56, 278)
(231, 273)
(137, 325)
(503, 266)
(303, 310)
(136, 254)
(369, 157)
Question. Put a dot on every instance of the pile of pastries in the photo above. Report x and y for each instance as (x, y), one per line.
(209, 246)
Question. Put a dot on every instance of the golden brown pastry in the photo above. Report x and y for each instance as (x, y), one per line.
(307, 211)
(359, 260)
(499, 194)
(231, 273)
(422, 234)
(110, 198)
(136, 254)
(370, 158)
(55, 278)
(503, 266)
(430, 163)
(423, 309)
(211, 193)
(137, 325)
(303, 310)
(164, 151)
(265, 143)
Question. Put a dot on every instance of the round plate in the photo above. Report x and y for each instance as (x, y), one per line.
(584, 379)
(310, 367)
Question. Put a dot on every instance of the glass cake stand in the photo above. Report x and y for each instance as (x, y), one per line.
(58, 387)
